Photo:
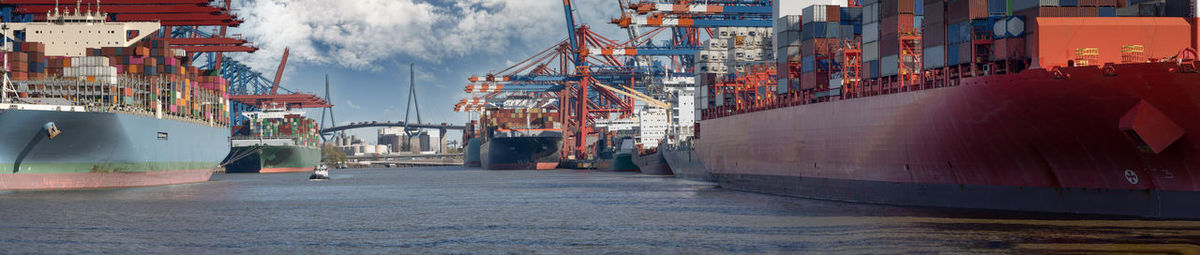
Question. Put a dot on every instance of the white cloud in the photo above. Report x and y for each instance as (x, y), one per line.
(352, 105)
(358, 34)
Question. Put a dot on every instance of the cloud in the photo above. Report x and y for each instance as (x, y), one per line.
(352, 105)
(361, 34)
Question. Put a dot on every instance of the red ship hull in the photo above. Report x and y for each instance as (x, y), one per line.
(101, 180)
(1027, 142)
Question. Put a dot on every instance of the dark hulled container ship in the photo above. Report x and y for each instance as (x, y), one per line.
(537, 151)
(519, 139)
(1113, 139)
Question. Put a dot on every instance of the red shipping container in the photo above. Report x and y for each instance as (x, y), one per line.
(1087, 12)
(819, 46)
(935, 12)
(889, 44)
(833, 14)
(814, 80)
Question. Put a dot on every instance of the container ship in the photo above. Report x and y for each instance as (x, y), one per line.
(277, 140)
(520, 139)
(1085, 107)
(104, 110)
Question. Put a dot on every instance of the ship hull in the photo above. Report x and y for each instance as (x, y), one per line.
(686, 164)
(621, 162)
(652, 163)
(104, 150)
(273, 159)
(472, 158)
(1027, 142)
(520, 153)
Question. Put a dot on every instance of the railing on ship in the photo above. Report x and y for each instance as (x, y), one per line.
(127, 95)
(935, 78)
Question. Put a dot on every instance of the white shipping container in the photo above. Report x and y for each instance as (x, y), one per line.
(934, 57)
(889, 65)
(741, 31)
(1048, 2)
(725, 32)
(813, 13)
(870, 51)
(717, 44)
(870, 32)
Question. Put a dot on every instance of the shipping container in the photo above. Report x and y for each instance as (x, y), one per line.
(870, 32)
(895, 7)
(963, 10)
(870, 51)
(934, 57)
(871, 13)
(952, 54)
(872, 69)
(889, 65)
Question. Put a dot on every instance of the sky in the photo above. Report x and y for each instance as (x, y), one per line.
(365, 47)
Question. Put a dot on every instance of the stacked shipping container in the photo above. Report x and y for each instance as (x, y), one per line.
(147, 77)
(302, 130)
(733, 50)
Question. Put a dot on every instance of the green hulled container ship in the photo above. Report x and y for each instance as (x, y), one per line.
(275, 141)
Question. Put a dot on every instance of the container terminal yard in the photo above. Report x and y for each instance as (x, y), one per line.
(695, 127)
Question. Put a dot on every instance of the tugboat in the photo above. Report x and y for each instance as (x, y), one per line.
(320, 173)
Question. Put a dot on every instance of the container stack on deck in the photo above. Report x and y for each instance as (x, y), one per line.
(787, 53)
(893, 46)
(735, 50)
(303, 130)
(146, 77)
(516, 119)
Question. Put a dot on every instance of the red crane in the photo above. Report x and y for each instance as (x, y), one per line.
(291, 101)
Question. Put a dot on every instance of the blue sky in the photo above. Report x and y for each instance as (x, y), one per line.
(365, 47)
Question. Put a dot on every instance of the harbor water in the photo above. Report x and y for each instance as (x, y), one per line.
(466, 210)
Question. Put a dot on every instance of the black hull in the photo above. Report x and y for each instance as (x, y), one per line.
(520, 153)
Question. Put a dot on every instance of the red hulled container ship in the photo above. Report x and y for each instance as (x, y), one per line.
(1093, 116)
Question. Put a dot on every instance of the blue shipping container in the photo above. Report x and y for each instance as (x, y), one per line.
(1107, 12)
(807, 64)
(952, 54)
(997, 7)
(919, 7)
(855, 14)
(874, 66)
(833, 30)
(1068, 2)
(917, 22)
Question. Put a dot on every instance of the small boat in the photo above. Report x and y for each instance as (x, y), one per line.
(320, 173)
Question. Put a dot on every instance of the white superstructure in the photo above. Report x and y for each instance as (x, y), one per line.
(72, 33)
(653, 126)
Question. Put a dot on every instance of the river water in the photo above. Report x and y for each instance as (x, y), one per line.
(459, 210)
